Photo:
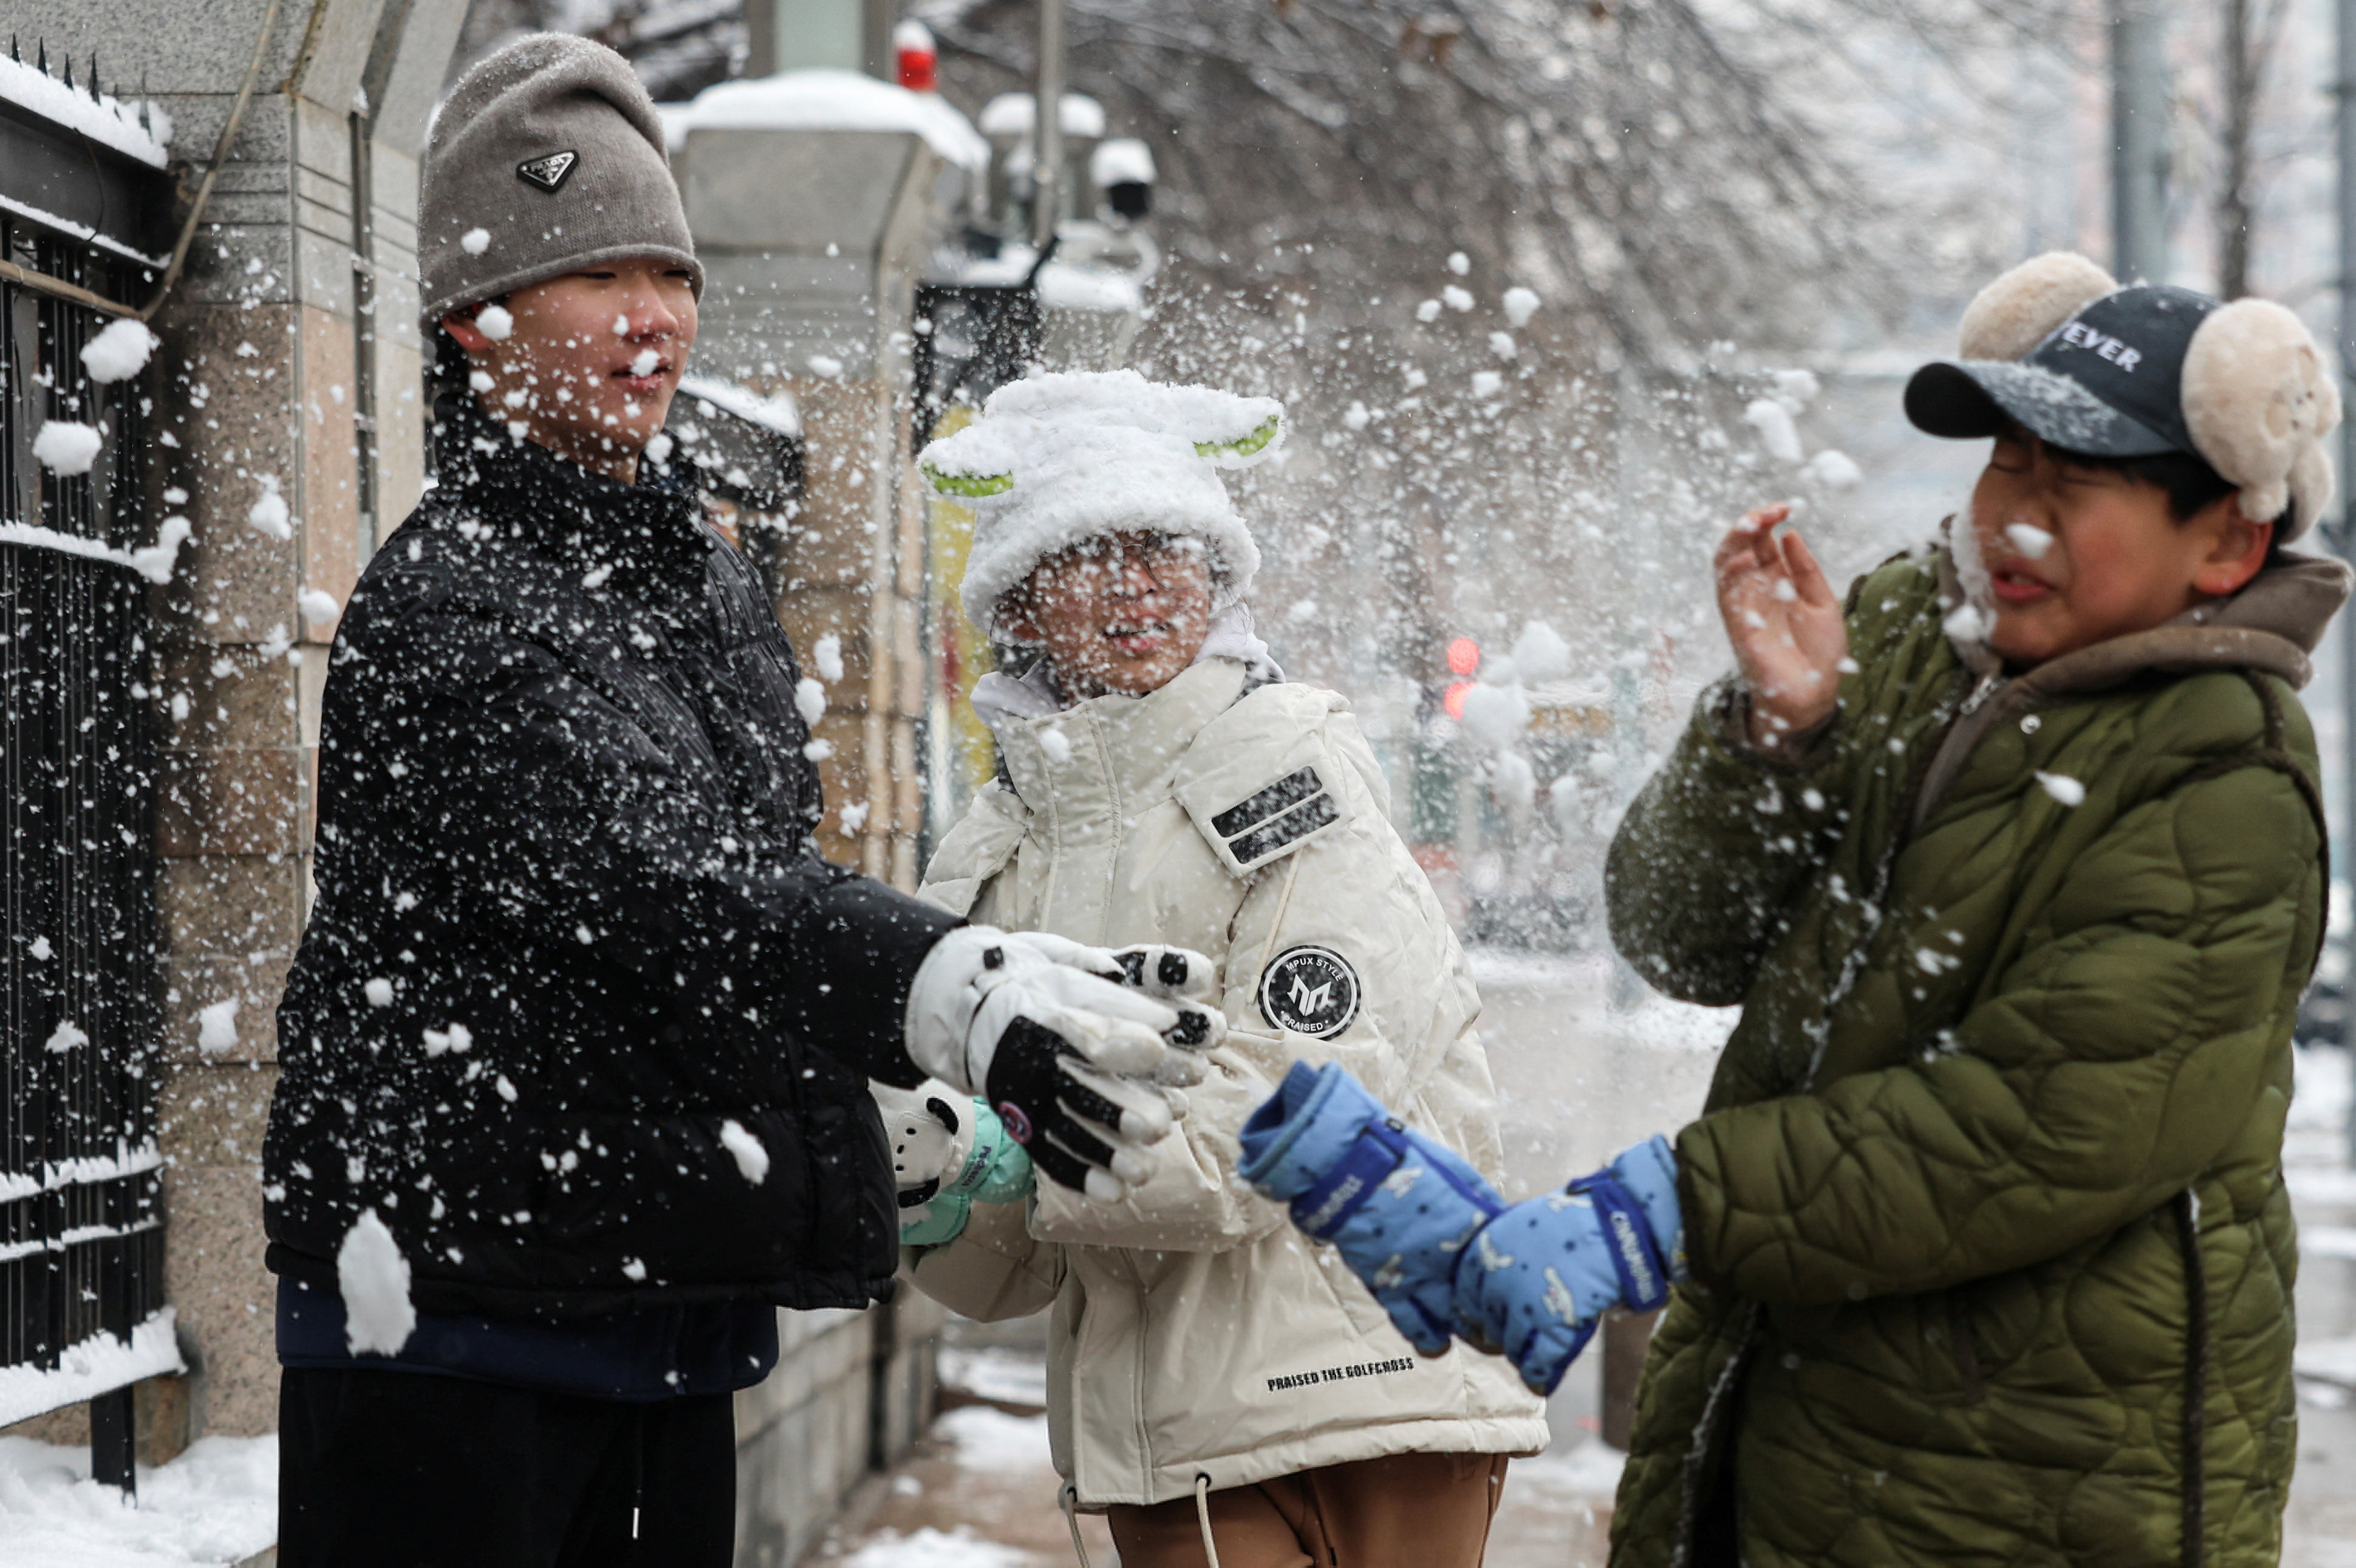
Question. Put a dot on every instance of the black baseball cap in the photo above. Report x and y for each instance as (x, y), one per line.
(2109, 382)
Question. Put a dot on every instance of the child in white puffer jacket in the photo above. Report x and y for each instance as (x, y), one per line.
(1162, 787)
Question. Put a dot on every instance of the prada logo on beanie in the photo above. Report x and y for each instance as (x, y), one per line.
(549, 170)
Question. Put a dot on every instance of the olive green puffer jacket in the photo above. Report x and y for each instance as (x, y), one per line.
(1989, 1175)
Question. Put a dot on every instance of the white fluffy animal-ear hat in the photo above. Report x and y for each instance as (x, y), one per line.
(2057, 346)
(1064, 457)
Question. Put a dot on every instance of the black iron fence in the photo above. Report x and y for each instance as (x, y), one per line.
(81, 1216)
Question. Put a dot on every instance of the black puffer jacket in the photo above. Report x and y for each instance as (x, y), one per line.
(571, 924)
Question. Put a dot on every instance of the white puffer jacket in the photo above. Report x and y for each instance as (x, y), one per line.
(1196, 1333)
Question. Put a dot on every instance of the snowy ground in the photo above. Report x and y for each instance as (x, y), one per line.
(214, 1505)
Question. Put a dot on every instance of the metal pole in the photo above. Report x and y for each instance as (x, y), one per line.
(2139, 141)
(1047, 139)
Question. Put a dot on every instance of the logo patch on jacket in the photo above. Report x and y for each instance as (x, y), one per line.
(1310, 990)
(548, 170)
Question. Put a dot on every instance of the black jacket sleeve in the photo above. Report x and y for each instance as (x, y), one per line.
(562, 815)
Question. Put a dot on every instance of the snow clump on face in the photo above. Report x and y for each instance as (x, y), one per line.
(2028, 539)
(120, 352)
(373, 1278)
(494, 323)
(475, 241)
(644, 365)
(66, 446)
(1520, 304)
(268, 513)
(751, 1159)
(216, 1028)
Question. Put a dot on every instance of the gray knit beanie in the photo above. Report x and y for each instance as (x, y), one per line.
(547, 157)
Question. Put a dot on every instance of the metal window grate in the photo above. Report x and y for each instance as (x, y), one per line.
(80, 1211)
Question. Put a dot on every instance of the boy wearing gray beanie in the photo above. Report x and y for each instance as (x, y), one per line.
(574, 1051)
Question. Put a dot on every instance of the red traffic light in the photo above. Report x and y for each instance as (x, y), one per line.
(1451, 701)
(915, 58)
(1463, 656)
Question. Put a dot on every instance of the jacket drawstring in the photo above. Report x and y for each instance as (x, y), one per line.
(1203, 1515)
(1070, 1498)
(2196, 1378)
(638, 1468)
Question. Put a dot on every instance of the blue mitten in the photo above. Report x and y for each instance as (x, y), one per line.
(1398, 1206)
(1541, 1275)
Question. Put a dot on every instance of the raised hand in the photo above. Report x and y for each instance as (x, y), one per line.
(1785, 623)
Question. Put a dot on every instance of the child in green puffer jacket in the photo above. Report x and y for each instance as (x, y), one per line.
(2013, 860)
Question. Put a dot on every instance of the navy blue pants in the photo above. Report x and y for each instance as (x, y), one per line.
(395, 1469)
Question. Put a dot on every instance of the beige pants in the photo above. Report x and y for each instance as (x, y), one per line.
(1409, 1510)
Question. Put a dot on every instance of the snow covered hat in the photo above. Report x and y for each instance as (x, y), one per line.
(1065, 457)
(546, 158)
(2057, 346)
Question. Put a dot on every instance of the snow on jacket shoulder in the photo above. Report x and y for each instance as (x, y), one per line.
(1194, 1331)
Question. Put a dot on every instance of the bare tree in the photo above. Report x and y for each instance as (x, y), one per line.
(2251, 30)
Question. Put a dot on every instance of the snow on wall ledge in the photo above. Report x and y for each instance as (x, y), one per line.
(100, 1364)
(827, 100)
(102, 119)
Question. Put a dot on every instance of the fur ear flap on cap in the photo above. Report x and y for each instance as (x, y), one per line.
(2258, 400)
(2030, 304)
(2311, 490)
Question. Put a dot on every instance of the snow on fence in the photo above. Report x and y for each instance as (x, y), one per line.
(81, 1307)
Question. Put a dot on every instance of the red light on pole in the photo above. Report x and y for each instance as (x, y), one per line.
(1451, 701)
(1463, 656)
(917, 59)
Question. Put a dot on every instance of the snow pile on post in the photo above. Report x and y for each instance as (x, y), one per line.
(828, 100)
(104, 120)
(373, 1278)
(97, 1365)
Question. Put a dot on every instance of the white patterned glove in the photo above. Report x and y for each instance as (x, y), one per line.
(1040, 1028)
